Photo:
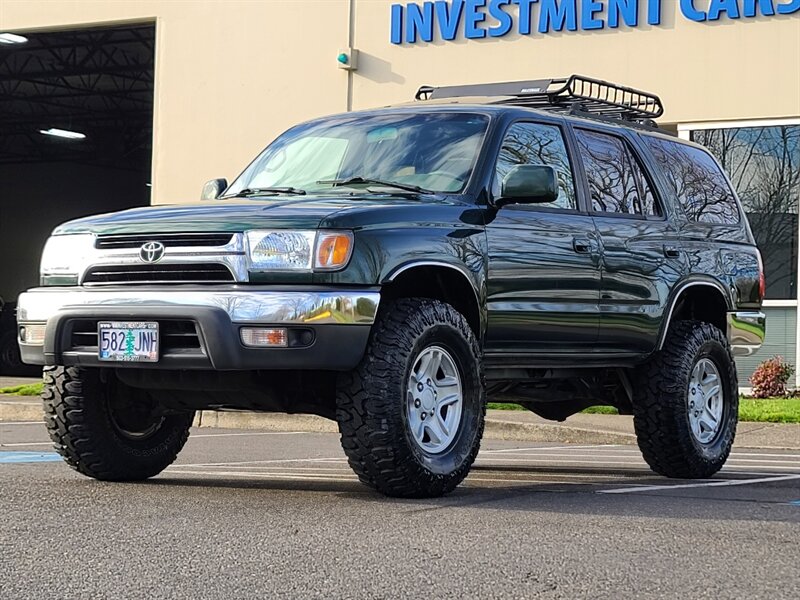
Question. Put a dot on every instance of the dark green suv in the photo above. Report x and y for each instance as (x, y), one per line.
(545, 244)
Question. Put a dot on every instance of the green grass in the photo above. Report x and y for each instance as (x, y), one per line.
(30, 389)
(504, 406)
(770, 410)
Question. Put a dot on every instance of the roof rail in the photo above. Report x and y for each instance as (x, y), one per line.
(575, 93)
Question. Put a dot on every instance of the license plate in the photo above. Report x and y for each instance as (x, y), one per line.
(126, 341)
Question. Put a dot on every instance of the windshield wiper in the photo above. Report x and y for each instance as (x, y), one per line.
(363, 180)
(267, 190)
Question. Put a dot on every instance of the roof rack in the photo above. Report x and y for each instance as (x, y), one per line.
(575, 93)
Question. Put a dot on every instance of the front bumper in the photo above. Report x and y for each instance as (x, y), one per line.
(338, 320)
(746, 331)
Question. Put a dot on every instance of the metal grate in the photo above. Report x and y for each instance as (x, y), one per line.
(170, 240)
(173, 335)
(158, 273)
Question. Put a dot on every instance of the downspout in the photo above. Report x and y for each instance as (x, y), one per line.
(351, 25)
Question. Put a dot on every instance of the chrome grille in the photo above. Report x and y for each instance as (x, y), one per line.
(158, 273)
(170, 240)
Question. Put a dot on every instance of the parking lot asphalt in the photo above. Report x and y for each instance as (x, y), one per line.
(279, 514)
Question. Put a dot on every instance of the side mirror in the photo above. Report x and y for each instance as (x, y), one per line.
(529, 184)
(213, 189)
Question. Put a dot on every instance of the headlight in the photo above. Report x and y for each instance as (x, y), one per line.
(65, 255)
(299, 250)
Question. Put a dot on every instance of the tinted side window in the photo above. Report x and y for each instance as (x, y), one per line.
(617, 183)
(537, 144)
(697, 181)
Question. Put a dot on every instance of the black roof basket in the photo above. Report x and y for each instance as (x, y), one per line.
(574, 93)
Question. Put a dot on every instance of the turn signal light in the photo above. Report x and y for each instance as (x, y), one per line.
(32, 334)
(333, 250)
(263, 337)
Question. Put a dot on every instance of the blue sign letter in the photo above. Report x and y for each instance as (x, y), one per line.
(558, 15)
(654, 12)
(723, 6)
(473, 18)
(524, 15)
(787, 9)
(690, 12)
(627, 9)
(449, 17)
(588, 9)
(397, 23)
(751, 7)
(501, 16)
(419, 20)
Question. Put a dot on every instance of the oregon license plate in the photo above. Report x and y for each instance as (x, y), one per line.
(128, 341)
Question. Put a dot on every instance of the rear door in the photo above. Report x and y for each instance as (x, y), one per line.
(641, 254)
(544, 261)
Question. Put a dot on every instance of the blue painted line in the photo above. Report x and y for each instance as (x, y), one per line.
(795, 502)
(28, 457)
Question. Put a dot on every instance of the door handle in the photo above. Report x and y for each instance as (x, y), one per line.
(671, 251)
(581, 245)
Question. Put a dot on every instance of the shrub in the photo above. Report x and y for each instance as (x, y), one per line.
(770, 378)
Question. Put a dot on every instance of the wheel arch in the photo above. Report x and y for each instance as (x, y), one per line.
(698, 299)
(438, 280)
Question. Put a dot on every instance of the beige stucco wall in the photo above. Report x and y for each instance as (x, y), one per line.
(232, 74)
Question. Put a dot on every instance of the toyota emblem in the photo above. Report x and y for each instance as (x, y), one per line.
(151, 252)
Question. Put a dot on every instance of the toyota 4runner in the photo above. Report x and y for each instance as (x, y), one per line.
(536, 242)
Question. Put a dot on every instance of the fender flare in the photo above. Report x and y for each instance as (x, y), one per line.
(676, 294)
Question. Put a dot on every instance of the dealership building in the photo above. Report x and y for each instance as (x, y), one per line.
(106, 105)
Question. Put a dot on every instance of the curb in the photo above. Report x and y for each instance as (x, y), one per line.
(496, 429)
(280, 422)
(21, 411)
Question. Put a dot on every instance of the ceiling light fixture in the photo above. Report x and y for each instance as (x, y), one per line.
(63, 133)
(12, 38)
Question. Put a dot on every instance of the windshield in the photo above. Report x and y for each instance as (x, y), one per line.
(431, 151)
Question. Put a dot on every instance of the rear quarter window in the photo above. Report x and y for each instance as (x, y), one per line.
(697, 180)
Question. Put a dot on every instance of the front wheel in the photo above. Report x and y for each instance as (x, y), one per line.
(686, 403)
(107, 430)
(411, 414)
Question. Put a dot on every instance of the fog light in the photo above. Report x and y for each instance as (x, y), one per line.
(32, 334)
(262, 337)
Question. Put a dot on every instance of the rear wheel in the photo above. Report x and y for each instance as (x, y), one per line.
(107, 430)
(686, 403)
(411, 415)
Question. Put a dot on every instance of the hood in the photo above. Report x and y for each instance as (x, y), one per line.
(297, 212)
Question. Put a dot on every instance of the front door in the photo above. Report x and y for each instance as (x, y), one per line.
(544, 260)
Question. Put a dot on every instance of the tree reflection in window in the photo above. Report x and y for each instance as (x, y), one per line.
(537, 144)
(617, 183)
(697, 181)
(764, 166)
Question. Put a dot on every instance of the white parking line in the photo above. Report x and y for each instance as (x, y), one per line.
(721, 483)
(26, 444)
(15, 423)
(786, 458)
(194, 436)
(258, 462)
(290, 476)
(512, 450)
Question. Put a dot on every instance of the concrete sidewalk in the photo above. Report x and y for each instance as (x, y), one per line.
(500, 425)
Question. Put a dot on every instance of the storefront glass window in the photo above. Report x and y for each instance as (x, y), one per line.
(764, 166)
